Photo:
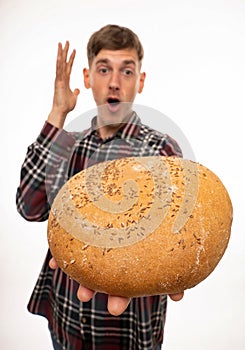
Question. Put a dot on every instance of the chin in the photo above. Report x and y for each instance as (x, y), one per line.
(114, 115)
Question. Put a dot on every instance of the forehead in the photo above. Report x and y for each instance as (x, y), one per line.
(117, 56)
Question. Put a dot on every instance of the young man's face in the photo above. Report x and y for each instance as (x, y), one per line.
(115, 79)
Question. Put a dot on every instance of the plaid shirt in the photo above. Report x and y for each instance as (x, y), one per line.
(51, 160)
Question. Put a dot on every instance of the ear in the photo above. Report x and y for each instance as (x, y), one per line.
(86, 78)
(142, 82)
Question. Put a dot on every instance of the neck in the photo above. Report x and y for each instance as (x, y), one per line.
(107, 129)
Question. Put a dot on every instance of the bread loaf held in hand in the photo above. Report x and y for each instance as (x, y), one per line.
(140, 226)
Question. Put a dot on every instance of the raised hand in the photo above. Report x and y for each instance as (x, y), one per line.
(64, 99)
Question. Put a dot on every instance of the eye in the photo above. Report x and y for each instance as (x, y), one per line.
(128, 72)
(103, 70)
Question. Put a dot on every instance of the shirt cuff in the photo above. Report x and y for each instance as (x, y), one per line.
(59, 141)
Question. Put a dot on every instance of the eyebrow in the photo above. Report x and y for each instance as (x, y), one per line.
(106, 61)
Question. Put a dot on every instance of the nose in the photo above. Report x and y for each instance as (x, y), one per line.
(114, 83)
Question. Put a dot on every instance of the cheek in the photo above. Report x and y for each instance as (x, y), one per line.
(91, 81)
(136, 86)
(135, 89)
(98, 92)
(140, 85)
(97, 84)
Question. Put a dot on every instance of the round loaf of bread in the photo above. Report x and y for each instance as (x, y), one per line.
(140, 226)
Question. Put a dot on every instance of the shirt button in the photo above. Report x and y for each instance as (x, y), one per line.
(84, 320)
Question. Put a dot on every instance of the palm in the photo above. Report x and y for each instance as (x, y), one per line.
(64, 98)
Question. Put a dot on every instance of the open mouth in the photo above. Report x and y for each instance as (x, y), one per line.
(113, 104)
(113, 101)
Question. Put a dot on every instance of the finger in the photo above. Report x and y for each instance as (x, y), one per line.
(70, 62)
(59, 53)
(65, 51)
(176, 297)
(117, 305)
(53, 264)
(59, 61)
(85, 294)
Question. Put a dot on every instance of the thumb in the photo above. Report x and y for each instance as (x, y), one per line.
(76, 92)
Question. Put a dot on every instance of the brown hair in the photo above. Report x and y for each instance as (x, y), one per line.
(113, 37)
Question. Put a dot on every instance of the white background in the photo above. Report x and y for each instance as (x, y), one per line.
(194, 60)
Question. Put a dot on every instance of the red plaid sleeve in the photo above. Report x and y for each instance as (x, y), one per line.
(43, 172)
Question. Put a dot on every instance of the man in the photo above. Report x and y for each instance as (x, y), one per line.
(78, 317)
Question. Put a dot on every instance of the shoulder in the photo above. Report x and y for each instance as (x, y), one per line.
(154, 135)
(168, 144)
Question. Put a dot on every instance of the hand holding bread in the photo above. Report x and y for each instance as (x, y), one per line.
(140, 226)
(116, 305)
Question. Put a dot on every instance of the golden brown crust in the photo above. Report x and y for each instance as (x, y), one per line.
(107, 237)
